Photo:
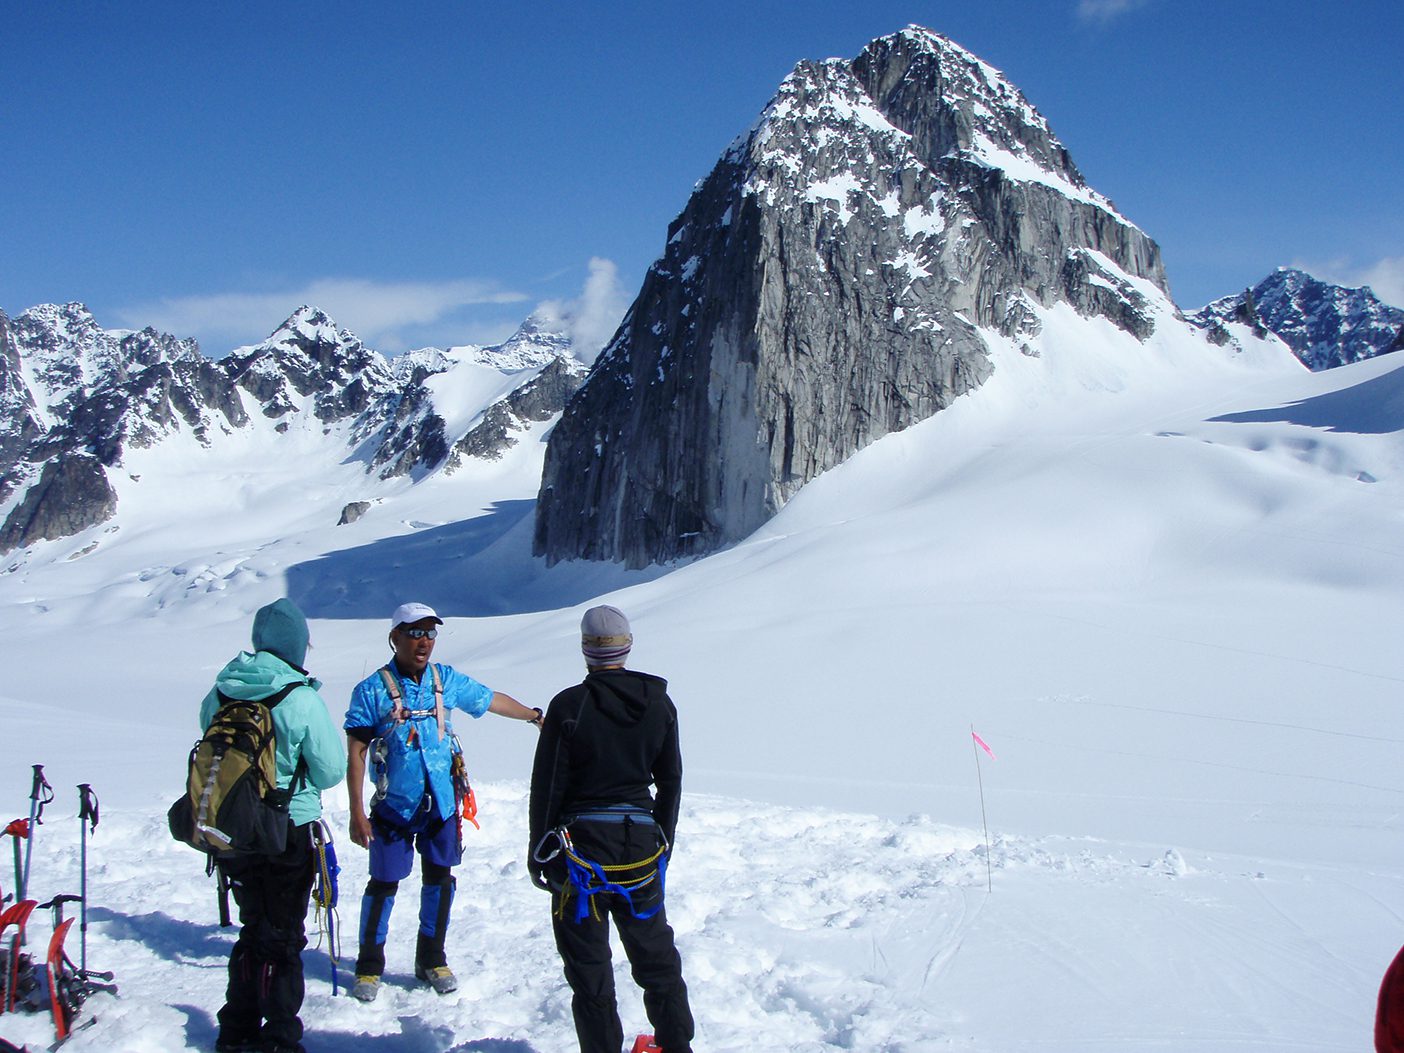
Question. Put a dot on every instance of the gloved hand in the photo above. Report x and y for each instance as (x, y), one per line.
(537, 872)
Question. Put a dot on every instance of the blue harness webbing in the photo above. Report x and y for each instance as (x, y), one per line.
(589, 878)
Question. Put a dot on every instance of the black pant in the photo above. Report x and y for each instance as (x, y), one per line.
(265, 988)
(656, 966)
(584, 945)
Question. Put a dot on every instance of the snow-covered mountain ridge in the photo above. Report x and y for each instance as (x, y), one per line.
(831, 281)
(79, 400)
(1325, 325)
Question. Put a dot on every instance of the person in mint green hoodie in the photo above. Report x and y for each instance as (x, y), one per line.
(264, 995)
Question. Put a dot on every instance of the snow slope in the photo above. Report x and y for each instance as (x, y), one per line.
(1162, 580)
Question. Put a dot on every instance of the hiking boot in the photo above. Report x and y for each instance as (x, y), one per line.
(365, 988)
(239, 1045)
(439, 977)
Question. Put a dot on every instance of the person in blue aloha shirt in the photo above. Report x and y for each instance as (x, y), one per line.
(399, 718)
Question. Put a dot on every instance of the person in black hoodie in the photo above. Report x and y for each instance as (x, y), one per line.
(600, 841)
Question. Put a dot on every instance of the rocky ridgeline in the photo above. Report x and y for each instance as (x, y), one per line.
(825, 286)
(1325, 325)
(76, 397)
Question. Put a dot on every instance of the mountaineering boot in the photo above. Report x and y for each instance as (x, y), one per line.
(365, 988)
(436, 897)
(439, 977)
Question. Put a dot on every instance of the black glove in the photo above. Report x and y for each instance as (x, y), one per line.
(537, 872)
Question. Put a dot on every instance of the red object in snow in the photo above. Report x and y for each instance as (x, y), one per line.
(1389, 1018)
(645, 1044)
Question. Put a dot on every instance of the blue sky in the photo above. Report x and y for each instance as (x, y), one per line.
(431, 172)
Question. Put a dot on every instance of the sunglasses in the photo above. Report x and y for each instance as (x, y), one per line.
(420, 634)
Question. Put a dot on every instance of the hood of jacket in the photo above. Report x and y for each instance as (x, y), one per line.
(258, 675)
(623, 695)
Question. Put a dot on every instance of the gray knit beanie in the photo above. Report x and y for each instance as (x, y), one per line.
(605, 638)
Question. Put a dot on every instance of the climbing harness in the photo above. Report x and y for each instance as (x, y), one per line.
(588, 878)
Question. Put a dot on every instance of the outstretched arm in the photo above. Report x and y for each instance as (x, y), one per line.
(507, 706)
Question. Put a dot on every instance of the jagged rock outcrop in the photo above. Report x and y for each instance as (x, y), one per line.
(538, 400)
(1325, 325)
(71, 494)
(353, 512)
(309, 357)
(826, 285)
(20, 423)
(416, 437)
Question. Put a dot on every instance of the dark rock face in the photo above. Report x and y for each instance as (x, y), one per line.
(19, 420)
(825, 286)
(1325, 325)
(72, 494)
(353, 512)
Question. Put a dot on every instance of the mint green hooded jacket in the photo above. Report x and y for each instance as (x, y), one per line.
(311, 752)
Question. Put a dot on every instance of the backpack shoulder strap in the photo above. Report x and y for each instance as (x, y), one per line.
(271, 701)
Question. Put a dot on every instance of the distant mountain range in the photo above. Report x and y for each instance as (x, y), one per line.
(75, 398)
(844, 271)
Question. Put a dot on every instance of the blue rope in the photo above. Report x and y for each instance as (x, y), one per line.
(590, 880)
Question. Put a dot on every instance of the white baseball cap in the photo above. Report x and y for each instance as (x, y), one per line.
(408, 613)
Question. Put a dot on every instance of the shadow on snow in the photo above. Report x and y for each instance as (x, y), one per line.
(1373, 407)
(473, 568)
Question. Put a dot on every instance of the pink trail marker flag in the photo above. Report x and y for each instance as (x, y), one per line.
(983, 745)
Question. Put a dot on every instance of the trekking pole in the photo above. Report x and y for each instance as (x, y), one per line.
(40, 794)
(87, 819)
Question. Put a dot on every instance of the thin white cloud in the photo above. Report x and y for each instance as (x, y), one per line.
(1387, 279)
(1106, 10)
(591, 319)
(1385, 276)
(377, 312)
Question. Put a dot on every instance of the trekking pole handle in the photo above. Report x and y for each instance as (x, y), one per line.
(40, 794)
(87, 805)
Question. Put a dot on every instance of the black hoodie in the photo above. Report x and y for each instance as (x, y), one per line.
(604, 741)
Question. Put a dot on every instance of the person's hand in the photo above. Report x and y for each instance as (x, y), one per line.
(537, 872)
(361, 833)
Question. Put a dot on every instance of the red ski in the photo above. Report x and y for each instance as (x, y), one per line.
(645, 1044)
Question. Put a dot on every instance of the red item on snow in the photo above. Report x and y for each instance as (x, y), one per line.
(645, 1044)
(1389, 1018)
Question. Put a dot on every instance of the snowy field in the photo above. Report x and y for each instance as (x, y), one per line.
(1164, 582)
